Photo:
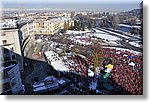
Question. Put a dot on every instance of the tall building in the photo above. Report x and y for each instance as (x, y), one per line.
(26, 30)
(10, 79)
(11, 40)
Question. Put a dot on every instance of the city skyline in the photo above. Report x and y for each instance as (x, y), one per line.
(63, 5)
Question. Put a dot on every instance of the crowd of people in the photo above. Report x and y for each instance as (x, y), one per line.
(77, 65)
(125, 75)
(125, 78)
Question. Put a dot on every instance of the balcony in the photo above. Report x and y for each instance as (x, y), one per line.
(9, 64)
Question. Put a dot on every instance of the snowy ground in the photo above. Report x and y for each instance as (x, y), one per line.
(117, 34)
(106, 36)
(98, 31)
(129, 34)
(93, 86)
(76, 32)
(136, 44)
(81, 40)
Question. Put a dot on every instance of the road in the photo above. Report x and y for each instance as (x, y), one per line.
(123, 41)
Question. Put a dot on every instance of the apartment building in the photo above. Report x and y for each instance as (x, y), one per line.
(20, 33)
(11, 40)
(10, 79)
(26, 30)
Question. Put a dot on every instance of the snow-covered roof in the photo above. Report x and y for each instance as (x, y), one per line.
(39, 88)
(45, 84)
(56, 61)
(129, 26)
(59, 65)
(49, 78)
(38, 84)
(61, 81)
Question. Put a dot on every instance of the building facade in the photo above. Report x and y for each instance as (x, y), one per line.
(11, 40)
(10, 79)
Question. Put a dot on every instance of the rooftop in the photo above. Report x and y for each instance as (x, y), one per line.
(6, 24)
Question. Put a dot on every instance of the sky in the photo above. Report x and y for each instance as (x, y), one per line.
(102, 5)
(71, 1)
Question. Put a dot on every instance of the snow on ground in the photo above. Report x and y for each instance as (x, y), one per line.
(116, 34)
(106, 36)
(73, 32)
(93, 85)
(61, 81)
(39, 40)
(99, 31)
(82, 40)
(78, 37)
(113, 42)
(90, 73)
(127, 33)
(136, 44)
(76, 32)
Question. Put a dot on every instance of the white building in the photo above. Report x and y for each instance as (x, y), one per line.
(11, 40)
(26, 30)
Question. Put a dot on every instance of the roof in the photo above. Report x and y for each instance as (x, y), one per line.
(55, 60)
(49, 83)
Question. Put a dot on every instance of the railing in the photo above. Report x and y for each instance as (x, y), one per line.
(9, 64)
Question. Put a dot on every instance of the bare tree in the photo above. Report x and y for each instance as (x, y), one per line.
(115, 22)
(96, 56)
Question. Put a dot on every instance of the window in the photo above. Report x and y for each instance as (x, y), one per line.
(13, 57)
(3, 34)
(12, 75)
(6, 86)
(4, 42)
(6, 58)
(13, 83)
(6, 51)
